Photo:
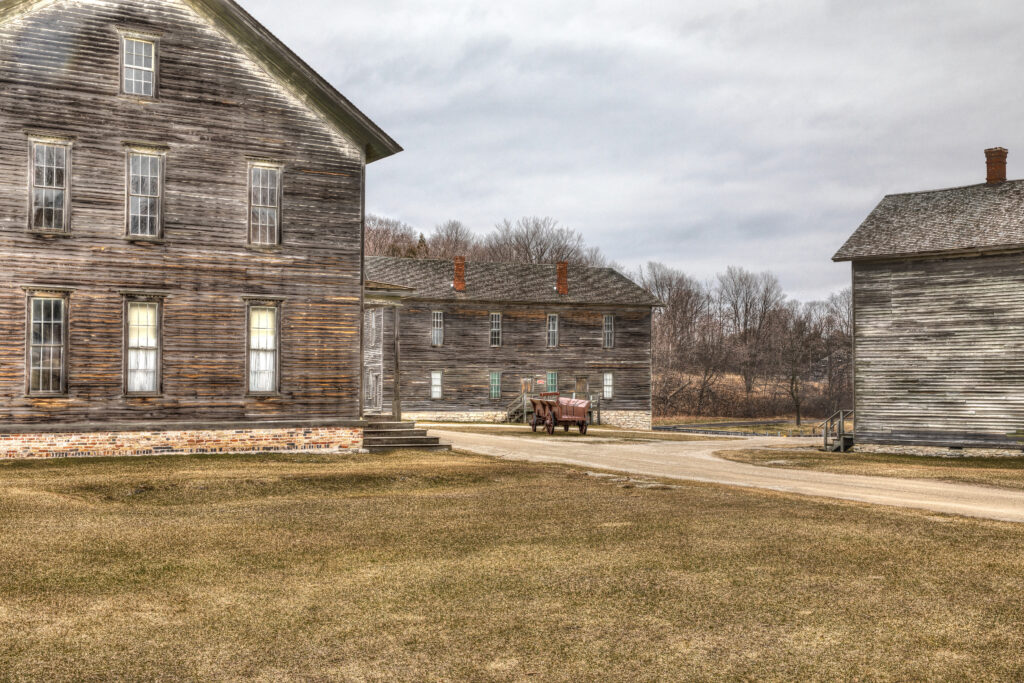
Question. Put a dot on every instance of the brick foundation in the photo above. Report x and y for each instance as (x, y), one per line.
(125, 443)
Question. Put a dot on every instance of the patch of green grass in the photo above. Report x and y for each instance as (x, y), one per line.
(442, 566)
(1002, 472)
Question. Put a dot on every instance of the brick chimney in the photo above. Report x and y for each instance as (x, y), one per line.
(563, 278)
(996, 161)
(460, 274)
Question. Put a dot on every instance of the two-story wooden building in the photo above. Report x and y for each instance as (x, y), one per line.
(938, 293)
(181, 221)
(473, 337)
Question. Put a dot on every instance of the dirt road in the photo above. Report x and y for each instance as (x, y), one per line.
(695, 461)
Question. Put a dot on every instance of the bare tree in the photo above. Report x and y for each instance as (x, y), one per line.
(453, 238)
(389, 237)
(749, 300)
(837, 338)
(538, 240)
(799, 342)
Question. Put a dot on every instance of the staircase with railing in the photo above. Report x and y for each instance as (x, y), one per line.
(837, 432)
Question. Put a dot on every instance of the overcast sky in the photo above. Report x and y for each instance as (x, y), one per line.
(701, 135)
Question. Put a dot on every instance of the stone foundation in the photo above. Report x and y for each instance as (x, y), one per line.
(129, 443)
(629, 419)
(488, 416)
(940, 452)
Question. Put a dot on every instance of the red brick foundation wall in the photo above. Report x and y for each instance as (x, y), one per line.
(103, 444)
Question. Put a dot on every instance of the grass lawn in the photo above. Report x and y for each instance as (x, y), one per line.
(1002, 472)
(768, 427)
(427, 566)
(600, 433)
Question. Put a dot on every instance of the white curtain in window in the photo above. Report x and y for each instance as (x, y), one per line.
(262, 349)
(143, 347)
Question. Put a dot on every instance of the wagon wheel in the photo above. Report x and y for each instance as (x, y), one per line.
(566, 425)
(550, 426)
(583, 428)
(533, 423)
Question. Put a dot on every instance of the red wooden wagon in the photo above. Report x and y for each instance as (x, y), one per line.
(550, 411)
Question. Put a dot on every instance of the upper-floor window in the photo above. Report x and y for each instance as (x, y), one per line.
(142, 365)
(437, 328)
(48, 341)
(263, 349)
(552, 331)
(145, 194)
(609, 332)
(50, 179)
(495, 329)
(264, 204)
(138, 66)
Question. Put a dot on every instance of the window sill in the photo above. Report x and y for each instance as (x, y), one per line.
(264, 248)
(50, 233)
(268, 394)
(144, 240)
(55, 395)
(146, 395)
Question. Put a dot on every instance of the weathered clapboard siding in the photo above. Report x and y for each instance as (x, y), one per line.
(939, 350)
(59, 75)
(467, 358)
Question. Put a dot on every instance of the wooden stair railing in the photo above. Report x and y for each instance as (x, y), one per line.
(836, 438)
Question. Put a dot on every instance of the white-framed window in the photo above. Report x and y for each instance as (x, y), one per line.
(51, 163)
(552, 330)
(263, 349)
(495, 386)
(264, 204)
(495, 329)
(436, 385)
(437, 328)
(138, 66)
(609, 386)
(142, 364)
(609, 332)
(552, 381)
(145, 193)
(47, 343)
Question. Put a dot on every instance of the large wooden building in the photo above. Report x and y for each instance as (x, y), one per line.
(181, 221)
(938, 288)
(473, 337)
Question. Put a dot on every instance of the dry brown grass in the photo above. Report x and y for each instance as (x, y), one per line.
(1001, 472)
(442, 566)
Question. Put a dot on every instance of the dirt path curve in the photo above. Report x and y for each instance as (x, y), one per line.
(694, 461)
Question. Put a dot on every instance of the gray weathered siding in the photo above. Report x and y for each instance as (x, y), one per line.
(59, 75)
(939, 348)
(467, 358)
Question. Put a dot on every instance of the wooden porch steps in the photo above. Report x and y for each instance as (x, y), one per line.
(387, 436)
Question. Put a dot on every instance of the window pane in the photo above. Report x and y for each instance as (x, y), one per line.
(48, 186)
(262, 349)
(435, 385)
(46, 357)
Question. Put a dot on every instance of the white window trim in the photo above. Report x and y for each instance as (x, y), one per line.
(437, 331)
(491, 385)
(279, 169)
(608, 387)
(496, 330)
(161, 156)
(158, 389)
(556, 330)
(261, 304)
(547, 380)
(608, 332)
(440, 385)
(68, 146)
(64, 298)
(142, 37)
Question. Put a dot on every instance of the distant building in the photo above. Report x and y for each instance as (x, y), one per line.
(938, 292)
(473, 337)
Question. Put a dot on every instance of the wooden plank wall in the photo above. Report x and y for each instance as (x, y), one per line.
(467, 358)
(939, 349)
(59, 74)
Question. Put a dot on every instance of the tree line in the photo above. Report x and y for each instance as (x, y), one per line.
(734, 346)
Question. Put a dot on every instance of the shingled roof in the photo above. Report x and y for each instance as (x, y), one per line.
(978, 218)
(508, 282)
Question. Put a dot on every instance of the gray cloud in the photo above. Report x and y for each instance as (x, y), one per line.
(751, 133)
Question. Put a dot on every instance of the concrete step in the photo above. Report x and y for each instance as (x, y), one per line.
(433, 447)
(400, 440)
(372, 433)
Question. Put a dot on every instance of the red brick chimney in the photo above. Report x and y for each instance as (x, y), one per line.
(563, 278)
(460, 274)
(996, 161)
